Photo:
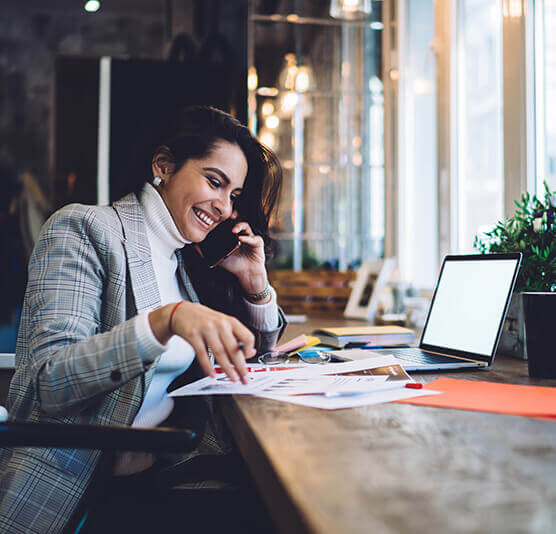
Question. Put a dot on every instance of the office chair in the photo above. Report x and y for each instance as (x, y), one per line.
(183, 500)
(105, 438)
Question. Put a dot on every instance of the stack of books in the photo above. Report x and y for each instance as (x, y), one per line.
(365, 336)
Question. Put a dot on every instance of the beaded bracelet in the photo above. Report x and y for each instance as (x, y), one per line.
(255, 297)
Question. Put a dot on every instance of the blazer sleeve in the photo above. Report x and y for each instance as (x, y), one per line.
(72, 361)
(267, 340)
(266, 321)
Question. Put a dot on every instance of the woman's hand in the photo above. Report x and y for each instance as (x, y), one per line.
(229, 340)
(248, 262)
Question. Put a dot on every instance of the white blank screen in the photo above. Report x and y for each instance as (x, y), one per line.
(469, 304)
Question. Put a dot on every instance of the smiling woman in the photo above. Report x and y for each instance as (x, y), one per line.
(118, 307)
(201, 194)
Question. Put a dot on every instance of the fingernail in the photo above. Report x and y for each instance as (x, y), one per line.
(234, 377)
(244, 379)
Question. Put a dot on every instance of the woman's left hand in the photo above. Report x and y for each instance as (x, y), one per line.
(248, 262)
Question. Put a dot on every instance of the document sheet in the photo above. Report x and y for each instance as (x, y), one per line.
(329, 386)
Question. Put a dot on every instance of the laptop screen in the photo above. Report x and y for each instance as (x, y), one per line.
(469, 304)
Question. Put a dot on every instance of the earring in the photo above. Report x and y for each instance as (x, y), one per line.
(157, 180)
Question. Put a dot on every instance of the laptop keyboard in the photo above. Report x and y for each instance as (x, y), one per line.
(417, 355)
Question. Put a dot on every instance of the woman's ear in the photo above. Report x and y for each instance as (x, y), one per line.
(162, 163)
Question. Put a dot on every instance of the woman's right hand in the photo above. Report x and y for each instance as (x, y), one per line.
(229, 340)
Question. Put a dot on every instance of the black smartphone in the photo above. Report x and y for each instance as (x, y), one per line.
(219, 243)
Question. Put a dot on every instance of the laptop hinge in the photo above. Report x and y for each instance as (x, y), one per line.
(452, 356)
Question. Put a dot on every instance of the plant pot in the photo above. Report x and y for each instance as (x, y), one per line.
(512, 341)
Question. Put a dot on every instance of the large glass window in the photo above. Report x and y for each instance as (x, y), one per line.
(478, 183)
(316, 98)
(545, 98)
(417, 213)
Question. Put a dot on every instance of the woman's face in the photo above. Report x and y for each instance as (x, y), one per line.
(200, 195)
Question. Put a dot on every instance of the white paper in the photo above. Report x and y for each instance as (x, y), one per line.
(337, 403)
(347, 377)
(298, 385)
(375, 374)
(377, 360)
(222, 385)
(378, 379)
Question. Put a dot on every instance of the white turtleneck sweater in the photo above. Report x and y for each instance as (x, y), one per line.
(164, 240)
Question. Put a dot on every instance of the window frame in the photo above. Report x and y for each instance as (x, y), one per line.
(520, 115)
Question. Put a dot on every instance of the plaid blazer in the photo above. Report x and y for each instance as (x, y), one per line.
(76, 355)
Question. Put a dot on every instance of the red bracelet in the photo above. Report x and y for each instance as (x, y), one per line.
(172, 315)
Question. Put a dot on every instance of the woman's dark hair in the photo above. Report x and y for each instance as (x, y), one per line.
(200, 130)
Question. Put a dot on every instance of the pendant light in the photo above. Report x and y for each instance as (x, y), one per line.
(350, 9)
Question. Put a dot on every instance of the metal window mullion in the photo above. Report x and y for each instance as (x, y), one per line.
(103, 147)
(445, 49)
(389, 55)
(458, 126)
(537, 136)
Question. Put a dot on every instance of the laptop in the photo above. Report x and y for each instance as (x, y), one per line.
(465, 318)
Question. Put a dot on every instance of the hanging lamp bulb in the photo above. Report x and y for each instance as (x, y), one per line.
(350, 9)
(92, 6)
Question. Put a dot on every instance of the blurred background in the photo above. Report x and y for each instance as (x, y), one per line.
(405, 128)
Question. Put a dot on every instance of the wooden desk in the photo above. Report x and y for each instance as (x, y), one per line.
(398, 468)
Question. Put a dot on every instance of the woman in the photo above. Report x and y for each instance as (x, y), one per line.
(117, 305)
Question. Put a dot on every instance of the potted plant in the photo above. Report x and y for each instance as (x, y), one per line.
(532, 231)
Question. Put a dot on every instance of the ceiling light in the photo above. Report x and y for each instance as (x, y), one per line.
(252, 79)
(304, 79)
(272, 122)
(350, 9)
(288, 101)
(286, 78)
(269, 139)
(267, 108)
(267, 91)
(91, 6)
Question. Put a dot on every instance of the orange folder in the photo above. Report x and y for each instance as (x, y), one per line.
(529, 401)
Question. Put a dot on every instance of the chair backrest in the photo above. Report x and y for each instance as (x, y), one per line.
(316, 292)
(110, 437)
(113, 438)
(106, 438)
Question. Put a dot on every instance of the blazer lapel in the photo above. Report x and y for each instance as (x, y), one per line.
(140, 267)
(182, 271)
(138, 252)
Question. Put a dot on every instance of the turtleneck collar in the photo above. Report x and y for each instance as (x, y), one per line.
(160, 222)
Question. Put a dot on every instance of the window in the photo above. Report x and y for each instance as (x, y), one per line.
(478, 180)
(545, 93)
(417, 183)
(316, 98)
(488, 124)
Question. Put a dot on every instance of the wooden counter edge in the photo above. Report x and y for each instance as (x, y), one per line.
(286, 517)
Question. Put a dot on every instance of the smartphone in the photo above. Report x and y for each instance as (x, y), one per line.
(219, 243)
